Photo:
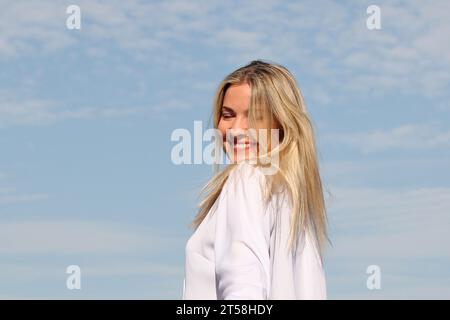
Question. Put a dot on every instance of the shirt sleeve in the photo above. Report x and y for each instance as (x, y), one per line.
(242, 237)
(310, 276)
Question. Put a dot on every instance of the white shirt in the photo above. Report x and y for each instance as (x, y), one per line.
(240, 250)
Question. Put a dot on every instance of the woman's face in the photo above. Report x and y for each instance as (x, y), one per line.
(239, 144)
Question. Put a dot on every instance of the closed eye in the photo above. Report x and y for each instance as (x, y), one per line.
(227, 113)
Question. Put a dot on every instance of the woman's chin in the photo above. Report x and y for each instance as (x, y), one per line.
(239, 156)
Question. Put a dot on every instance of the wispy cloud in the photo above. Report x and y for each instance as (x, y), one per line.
(99, 279)
(11, 196)
(404, 137)
(28, 26)
(76, 237)
(402, 230)
(165, 55)
(169, 105)
(390, 223)
(138, 28)
(36, 252)
(410, 51)
(102, 269)
(34, 112)
(412, 171)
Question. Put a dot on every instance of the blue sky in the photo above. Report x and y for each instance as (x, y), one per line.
(86, 116)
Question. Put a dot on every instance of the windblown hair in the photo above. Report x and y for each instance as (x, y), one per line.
(276, 98)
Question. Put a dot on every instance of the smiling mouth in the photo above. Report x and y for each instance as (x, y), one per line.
(243, 145)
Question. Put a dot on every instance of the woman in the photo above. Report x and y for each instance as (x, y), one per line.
(260, 233)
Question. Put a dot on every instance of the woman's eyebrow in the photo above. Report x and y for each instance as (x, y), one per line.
(229, 109)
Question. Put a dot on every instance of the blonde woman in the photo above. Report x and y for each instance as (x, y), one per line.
(259, 233)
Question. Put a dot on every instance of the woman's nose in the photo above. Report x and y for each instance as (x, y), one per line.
(237, 129)
(239, 124)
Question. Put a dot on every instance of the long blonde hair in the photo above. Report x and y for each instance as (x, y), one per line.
(276, 95)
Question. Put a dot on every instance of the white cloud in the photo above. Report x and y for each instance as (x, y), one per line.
(404, 137)
(32, 25)
(401, 171)
(402, 230)
(146, 31)
(105, 250)
(171, 104)
(319, 97)
(331, 41)
(10, 196)
(113, 267)
(409, 54)
(390, 223)
(138, 268)
(36, 112)
(395, 284)
(79, 237)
